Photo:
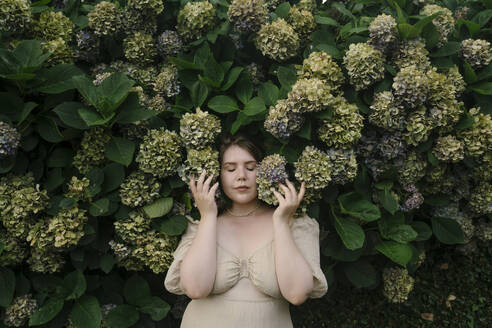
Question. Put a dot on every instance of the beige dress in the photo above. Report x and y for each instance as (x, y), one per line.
(270, 311)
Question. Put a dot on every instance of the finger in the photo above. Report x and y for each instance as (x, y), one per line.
(302, 192)
(206, 185)
(279, 197)
(287, 192)
(192, 183)
(199, 186)
(292, 190)
(213, 189)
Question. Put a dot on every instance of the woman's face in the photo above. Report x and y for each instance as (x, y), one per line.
(238, 169)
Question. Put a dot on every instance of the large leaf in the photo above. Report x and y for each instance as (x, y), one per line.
(335, 248)
(114, 175)
(388, 201)
(87, 89)
(286, 76)
(402, 233)
(58, 79)
(351, 233)
(231, 78)
(74, 284)
(131, 110)
(448, 231)
(484, 88)
(116, 88)
(99, 207)
(120, 150)
(424, 232)
(47, 312)
(269, 92)
(122, 316)
(136, 289)
(86, 312)
(159, 207)
(214, 71)
(174, 226)
(254, 107)
(7, 286)
(155, 307)
(48, 130)
(29, 54)
(398, 253)
(361, 273)
(223, 104)
(199, 93)
(93, 118)
(448, 49)
(68, 113)
(244, 88)
(355, 205)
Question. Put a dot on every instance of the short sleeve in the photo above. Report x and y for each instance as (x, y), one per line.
(172, 282)
(305, 232)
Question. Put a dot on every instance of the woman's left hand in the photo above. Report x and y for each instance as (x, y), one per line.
(288, 205)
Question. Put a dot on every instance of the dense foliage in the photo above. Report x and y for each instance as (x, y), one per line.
(106, 108)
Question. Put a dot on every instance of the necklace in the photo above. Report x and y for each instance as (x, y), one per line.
(247, 214)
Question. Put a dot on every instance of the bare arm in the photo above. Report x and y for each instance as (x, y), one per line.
(200, 262)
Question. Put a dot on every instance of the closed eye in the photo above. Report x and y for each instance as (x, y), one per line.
(248, 170)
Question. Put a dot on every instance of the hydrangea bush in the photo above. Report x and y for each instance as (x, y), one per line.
(108, 108)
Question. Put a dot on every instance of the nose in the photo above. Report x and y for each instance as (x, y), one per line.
(241, 173)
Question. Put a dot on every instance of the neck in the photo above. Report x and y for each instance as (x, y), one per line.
(243, 209)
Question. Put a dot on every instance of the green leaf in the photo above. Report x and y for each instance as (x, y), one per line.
(407, 31)
(116, 88)
(282, 10)
(47, 312)
(92, 118)
(99, 207)
(199, 93)
(29, 55)
(7, 286)
(330, 50)
(360, 273)
(48, 130)
(484, 88)
(269, 92)
(107, 262)
(483, 17)
(131, 111)
(402, 233)
(448, 231)
(388, 201)
(159, 207)
(136, 289)
(184, 64)
(26, 110)
(86, 312)
(335, 249)
(244, 89)
(223, 104)
(174, 226)
(355, 205)
(214, 71)
(305, 131)
(254, 107)
(120, 150)
(68, 113)
(122, 316)
(485, 73)
(114, 175)
(325, 20)
(286, 76)
(10, 105)
(87, 89)
(238, 122)
(423, 230)
(231, 78)
(431, 36)
(398, 253)
(75, 284)
(351, 233)
(468, 73)
(432, 159)
(448, 49)
(344, 11)
(58, 79)
(155, 307)
(60, 157)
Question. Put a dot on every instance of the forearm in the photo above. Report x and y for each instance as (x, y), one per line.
(294, 274)
(199, 264)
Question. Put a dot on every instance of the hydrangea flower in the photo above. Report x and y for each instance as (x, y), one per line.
(386, 113)
(478, 138)
(87, 46)
(444, 22)
(309, 5)
(139, 189)
(310, 95)
(198, 160)
(444, 109)
(61, 52)
(270, 172)
(344, 128)
(256, 74)
(476, 52)
(146, 7)
(303, 23)
(449, 149)
(167, 83)
(364, 65)
(411, 86)
(411, 168)
(15, 15)
(483, 230)
(20, 310)
(199, 129)
(45, 261)
(418, 127)
(383, 32)
(155, 250)
(195, 20)
(397, 284)
(313, 167)
(277, 40)
(160, 153)
(53, 25)
(481, 199)
(281, 121)
(344, 165)
(105, 19)
(9, 140)
(14, 249)
(128, 229)
(169, 43)
(137, 21)
(391, 146)
(91, 151)
(412, 52)
(78, 188)
(454, 77)
(140, 49)
(320, 65)
(247, 15)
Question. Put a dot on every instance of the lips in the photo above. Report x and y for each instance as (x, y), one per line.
(242, 188)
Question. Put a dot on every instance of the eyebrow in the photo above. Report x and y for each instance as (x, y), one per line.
(235, 162)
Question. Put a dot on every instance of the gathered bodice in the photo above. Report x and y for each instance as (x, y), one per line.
(259, 267)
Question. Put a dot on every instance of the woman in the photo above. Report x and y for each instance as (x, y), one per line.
(276, 254)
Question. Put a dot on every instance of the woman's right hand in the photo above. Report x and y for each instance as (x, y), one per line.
(204, 195)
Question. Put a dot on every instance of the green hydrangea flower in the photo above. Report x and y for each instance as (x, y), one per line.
(137, 21)
(344, 165)
(302, 21)
(91, 151)
(146, 7)
(456, 79)
(167, 83)
(169, 43)
(314, 167)
(195, 20)
(247, 15)
(15, 15)
(418, 127)
(20, 310)
(449, 149)
(155, 250)
(278, 40)
(483, 230)
(476, 52)
(67, 227)
(364, 65)
(45, 261)
(139, 189)
(410, 168)
(140, 49)
(78, 188)
(281, 121)
(481, 199)
(53, 25)
(438, 180)
(478, 138)
(444, 109)
(105, 19)
(385, 113)
(61, 52)
(411, 52)
(14, 249)
(130, 228)
(397, 284)
(321, 66)
(198, 160)
(160, 153)
(199, 129)
(310, 95)
(309, 5)
(9, 140)
(411, 86)
(444, 22)
(344, 128)
(383, 32)
(270, 172)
